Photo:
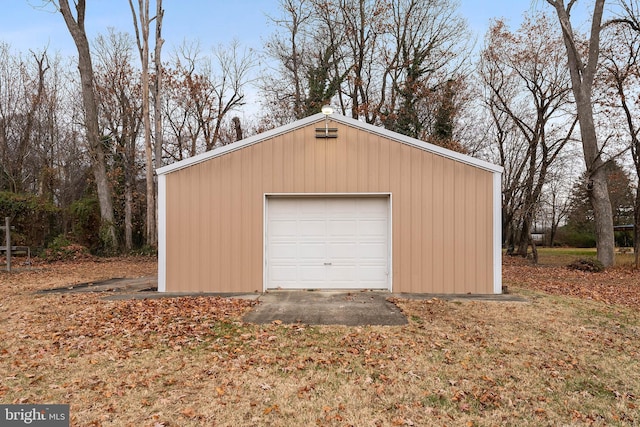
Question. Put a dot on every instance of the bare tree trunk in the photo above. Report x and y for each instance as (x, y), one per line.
(143, 49)
(237, 127)
(636, 224)
(157, 99)
(128, 216)
(582, 76)
(534, 251)
(96, 150)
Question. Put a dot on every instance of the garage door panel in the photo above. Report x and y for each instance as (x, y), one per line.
(312, 273)
(284, 250)
(345, 273)
(327, 243)
(375, 250)
(312, 228)
(372, 212)
(311, 207)
(284, 228)
(342, 227)
(311, 251)
(284, 273)
(341, 206)
(372, 227)
(283, 207)
(344, 250)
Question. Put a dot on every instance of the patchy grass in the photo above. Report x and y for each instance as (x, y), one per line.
(557, 360)
(564, 256)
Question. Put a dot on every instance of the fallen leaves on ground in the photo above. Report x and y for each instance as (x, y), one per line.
(174, 322)
(617, 285)
(192, 361)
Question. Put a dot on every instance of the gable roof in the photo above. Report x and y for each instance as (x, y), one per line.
(319, 117)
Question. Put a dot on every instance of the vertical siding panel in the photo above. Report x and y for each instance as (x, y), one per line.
(266, 151)
(427, 223)
(288, 164)
(455, 226)
(194, 246)
(352, 160)
(278, 166)
(459, 227)
(404, 190)
(373, 177)
(235, 223)
(309, 165)
(189, 247)
(363, 160)
(484, 225)
(216, 224)
(476, 277)
(179, 250)
(196, 216)
(320, 166)
(466, 215)
(331, 164)
(394, 185)
(449, 226)
(257, 220)
(341, 159)
(246, 214)
(383, 171)
(298, 160)
(466, 261)
(225, 222)
(439, 230)
(203, 221)
(173, 225)
(417, 234)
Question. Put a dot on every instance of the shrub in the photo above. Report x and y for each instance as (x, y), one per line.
(590, 265)
(85, 217)
(62, 249)
(34, 218)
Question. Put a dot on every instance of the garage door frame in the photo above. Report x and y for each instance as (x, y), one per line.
(265, 219)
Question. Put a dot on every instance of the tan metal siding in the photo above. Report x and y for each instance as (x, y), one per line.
(442, 210)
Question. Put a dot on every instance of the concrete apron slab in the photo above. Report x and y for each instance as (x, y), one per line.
(326, 308)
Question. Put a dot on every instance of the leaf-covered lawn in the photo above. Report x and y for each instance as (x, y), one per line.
(618, 285)
(555, 360)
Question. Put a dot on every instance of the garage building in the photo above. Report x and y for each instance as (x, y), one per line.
(330, 203)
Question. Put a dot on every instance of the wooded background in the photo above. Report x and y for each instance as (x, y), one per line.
(80, 136)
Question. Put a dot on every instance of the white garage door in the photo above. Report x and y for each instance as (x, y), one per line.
(327, 243)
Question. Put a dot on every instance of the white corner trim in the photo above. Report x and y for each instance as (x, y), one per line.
(162, 233)
(497, 233)
(265, 273)
(390, 245)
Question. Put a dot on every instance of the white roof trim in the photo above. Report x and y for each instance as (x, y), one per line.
(336, 118)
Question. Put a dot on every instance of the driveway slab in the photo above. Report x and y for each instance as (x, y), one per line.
(326, 308)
